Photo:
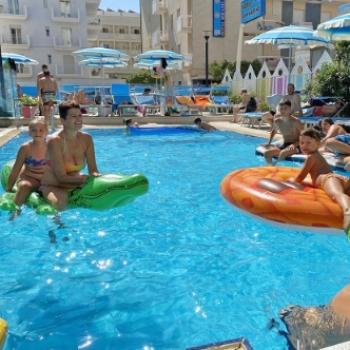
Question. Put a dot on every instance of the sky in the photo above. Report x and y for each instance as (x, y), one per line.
(121, 4)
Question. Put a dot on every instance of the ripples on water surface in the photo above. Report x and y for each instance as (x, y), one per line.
(179, 267)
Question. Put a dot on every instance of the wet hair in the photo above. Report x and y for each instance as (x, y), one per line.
(244, 91)
(37, 121)
(44, 66)
(328, 121)
(197, 120)
(47, 73)
(285, 103)
(313, 133)
(64, 107)
(292, 85)
(128, 122)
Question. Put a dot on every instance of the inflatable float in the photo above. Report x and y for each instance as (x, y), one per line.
(138, 131)
(98, 193)
(267, 193)
(3, 333)
(333, 160)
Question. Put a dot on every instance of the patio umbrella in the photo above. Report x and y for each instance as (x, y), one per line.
(19, 59)
(150, 64)
(100, 52)
(335, 29)
(159, 54)
(290, 36)
(103, 63)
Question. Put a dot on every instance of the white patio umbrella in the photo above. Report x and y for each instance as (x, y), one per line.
(19, 59)
(100, 52)
(290, 36)
(335, 29)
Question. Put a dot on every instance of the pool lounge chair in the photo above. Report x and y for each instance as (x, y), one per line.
(186, 106)
(148, 104)
(221, 105)
(251, 119)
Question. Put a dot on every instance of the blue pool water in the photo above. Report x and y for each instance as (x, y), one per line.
(177, 268)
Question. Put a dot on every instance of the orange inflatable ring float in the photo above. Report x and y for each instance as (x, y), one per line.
(266, 192)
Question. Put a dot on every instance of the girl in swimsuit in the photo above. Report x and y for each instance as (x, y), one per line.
(68, 151)
(30, 162)
(336, 186)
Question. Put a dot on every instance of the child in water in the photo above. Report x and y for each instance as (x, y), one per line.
(336, 186)
(30, 162)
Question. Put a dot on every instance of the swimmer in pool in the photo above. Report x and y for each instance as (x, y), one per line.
(203, 125)
(30, 162)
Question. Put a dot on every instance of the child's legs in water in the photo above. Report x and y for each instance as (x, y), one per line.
(334, 187)
(25, 186)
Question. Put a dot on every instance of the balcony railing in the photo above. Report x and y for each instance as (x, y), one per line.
(164, 37)
(72, 71)
(15, 43)
(184, 23)
(71, 17)
(63, 44)
(159, 7)
(25, 72)
(20, 14)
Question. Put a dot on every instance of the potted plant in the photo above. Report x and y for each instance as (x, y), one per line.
(29, 106)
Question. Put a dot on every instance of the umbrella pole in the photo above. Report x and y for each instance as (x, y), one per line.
(289, 63)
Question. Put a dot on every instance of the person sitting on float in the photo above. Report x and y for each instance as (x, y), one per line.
(68, 152)
(336, 186)
(290, 128)
(30, 163)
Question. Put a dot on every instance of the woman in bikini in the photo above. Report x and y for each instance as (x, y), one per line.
(68, 152)
(30, 162)
(336, 186)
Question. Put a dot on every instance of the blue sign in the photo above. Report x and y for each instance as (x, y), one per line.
(218, 18)
(252, 9)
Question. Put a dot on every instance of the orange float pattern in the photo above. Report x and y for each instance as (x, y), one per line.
(265, 192)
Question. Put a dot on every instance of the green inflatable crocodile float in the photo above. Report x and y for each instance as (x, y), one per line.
(98, 193)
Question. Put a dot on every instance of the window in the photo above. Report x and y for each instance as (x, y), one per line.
(178, 13)
(105, 30)
(287, 12)
(47, 31)
(16, 35)
(67, 36)
(20, 68)
(136, 31)
(49, 59)
(313, 13)
(13, 6)
(45, 4)
(65, 8)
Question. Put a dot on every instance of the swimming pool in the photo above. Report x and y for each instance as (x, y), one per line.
(177, 268)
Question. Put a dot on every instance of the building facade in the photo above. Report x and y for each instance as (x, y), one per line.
(116, 30)
(48, 31)
(181, 25)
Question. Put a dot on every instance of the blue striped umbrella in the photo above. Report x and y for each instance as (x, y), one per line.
(159, 54)
(149, 64)
(19, 59)
(335, 29)
(100, 52)
(290, 36)
(103, 63)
